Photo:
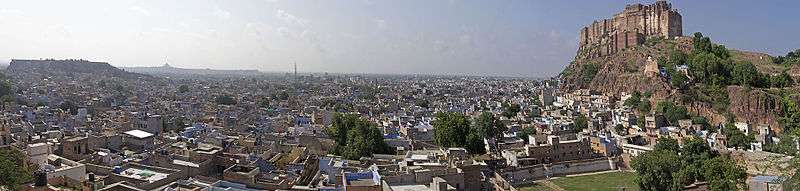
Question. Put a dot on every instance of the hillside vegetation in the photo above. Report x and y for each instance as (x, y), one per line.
(709, 80)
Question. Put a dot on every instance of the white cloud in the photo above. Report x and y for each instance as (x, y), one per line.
(10, 13)
(291, 19)
(222, 14)
(380, 23)
(283, 31)
(140, 10)
(465, 38)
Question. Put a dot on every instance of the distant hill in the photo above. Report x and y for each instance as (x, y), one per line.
(166, 69)
(67, 67)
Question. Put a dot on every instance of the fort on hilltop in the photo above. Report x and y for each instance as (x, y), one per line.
(629, 28)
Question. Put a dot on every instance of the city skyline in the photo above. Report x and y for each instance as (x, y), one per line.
(518, 39)
(374, 95)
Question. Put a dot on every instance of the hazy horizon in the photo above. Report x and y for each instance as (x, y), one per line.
(477, 38)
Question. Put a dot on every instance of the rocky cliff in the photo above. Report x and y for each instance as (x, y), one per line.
(623, 71)
(754, 106)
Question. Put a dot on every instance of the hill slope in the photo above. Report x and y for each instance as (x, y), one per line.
(625, 72)
(169, 70)
(67, 68)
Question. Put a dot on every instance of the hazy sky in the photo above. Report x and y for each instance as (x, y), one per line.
(508, 38)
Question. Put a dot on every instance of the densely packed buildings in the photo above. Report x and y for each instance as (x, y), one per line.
(94, 132)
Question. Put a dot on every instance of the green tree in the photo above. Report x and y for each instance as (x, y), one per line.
(695, 150)
(450, 129)
(723, 174)
(654, 169)
(676, 57)
(793, 182)
(183, 88)
(644, 107)
(684, 176)
(745, 74)
(781, 80)
(282, 96)
(263, 102)
(69, 106)
(475, 144)
(709, 69)
(524, 132)
(634, 100)
(686, 164)
(736, 138)
(13, 169)
(180, 123)
(510, 110)
(225, 100)
(784, 147)
(7, 98)
(588, 71)
(701, 43)
(679, 80)
(356, 137)
(581, 122)
(715, 94)
(701, 120)
(672, 112)
(667, 144)
(356, 146)
(620, 129)
(6, 88)
(488, 126)
(790, 113)
(422, 103)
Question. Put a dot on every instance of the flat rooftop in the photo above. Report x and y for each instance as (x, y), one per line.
(139, 134)
(142, 174)
(413, 187)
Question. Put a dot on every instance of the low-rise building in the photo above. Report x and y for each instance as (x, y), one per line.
(138, 139)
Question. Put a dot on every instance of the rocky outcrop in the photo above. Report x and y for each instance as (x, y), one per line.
(620, 62)
(754, 106)
(624, 71)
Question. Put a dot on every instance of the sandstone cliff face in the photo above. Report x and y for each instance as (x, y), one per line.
(754, 106)
(623, 71)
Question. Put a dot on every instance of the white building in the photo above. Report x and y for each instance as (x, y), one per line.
(139, 139)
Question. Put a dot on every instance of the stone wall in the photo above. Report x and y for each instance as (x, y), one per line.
(525, 175)
(629, 28)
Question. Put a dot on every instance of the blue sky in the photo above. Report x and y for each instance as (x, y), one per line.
(503, 38)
